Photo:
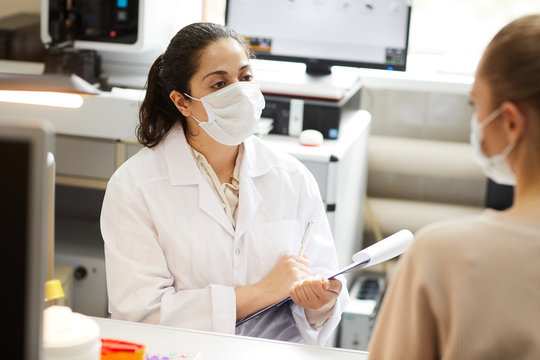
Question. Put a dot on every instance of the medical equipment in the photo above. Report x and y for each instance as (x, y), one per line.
(379, 252)
(366, 33)
(113, 25)
(24, 194)
(111, 41)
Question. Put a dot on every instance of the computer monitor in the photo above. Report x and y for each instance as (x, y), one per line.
(322, 33)
(23, 219)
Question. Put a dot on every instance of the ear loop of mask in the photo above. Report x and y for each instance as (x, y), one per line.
(490, 118)
(487, 120)
(193, 98)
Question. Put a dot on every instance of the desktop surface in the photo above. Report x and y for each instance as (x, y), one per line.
(167, 341)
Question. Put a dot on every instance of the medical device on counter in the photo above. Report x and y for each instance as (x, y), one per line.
(377, 253)
(115, 39)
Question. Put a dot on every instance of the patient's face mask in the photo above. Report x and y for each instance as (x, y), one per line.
(496, 167)
(233, 112)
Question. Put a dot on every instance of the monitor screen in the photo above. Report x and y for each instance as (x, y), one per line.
(23, 219)
(322, 33)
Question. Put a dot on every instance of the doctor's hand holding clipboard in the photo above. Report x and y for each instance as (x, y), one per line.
(292, 276)
(381, 251)
(315, 294)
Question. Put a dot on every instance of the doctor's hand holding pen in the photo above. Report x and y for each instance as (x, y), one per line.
(316, 295)
(291, 276)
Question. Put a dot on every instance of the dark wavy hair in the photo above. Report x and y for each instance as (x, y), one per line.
(172, 71)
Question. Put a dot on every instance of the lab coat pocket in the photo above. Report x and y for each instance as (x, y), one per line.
(275, 239)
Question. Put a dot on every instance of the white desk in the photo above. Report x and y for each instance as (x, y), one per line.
(169, 340)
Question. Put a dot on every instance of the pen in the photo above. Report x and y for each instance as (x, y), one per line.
(305, 238)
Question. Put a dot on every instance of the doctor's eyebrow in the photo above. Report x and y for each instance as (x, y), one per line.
(223, 72)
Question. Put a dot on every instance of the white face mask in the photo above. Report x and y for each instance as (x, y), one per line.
(233, 112)
(496, 167)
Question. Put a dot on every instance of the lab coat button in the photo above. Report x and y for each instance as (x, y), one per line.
(237, 251)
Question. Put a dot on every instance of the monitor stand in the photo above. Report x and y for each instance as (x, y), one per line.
(291, 79)
(314, 68)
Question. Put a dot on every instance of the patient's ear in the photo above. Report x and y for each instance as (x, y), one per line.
(180, 102)
(515, 121)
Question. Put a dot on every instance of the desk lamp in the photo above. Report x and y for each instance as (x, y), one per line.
(59, 90)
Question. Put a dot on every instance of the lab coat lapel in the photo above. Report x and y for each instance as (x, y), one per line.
(183, 171)
(209, 203)
(254, 164)
(248, 204)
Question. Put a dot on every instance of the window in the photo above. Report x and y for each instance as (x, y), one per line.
(461, 26)
(214, 11)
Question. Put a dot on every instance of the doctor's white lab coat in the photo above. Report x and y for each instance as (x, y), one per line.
(173, 257)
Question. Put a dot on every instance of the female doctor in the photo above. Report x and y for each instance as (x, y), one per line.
(203, 226)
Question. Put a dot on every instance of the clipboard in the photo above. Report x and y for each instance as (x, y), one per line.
(381, 251)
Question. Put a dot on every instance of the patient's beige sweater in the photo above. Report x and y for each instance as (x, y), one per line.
(466, 289)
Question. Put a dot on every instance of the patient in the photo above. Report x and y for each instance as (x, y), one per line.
(470, 288)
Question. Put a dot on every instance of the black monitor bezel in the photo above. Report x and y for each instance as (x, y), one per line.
(37, 137)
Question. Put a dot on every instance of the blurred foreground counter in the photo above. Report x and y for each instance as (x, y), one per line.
(173, 343)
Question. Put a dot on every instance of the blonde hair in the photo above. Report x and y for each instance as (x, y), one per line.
(511, 63)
